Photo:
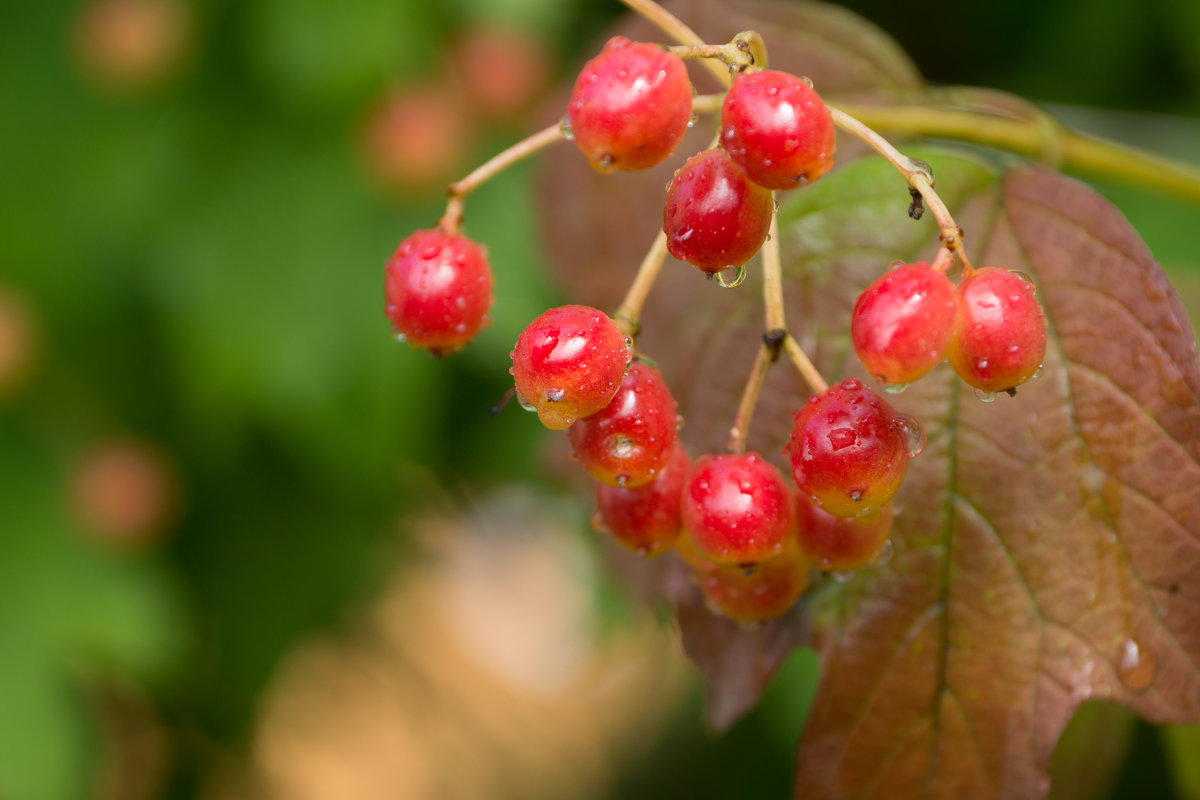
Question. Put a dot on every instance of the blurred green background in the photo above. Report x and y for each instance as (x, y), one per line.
(211, 449)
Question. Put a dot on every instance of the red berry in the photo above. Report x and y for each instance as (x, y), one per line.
(837, 543)
(568, 363)
(776, 128)
(903, 321)
(645, 519)
(737, 508)
(999, 331)
(715, 217)
(629, 440)
(765, 591)
(438, 289)
(631, 105)
(850, 450)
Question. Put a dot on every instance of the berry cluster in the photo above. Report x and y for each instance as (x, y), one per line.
(750, 535)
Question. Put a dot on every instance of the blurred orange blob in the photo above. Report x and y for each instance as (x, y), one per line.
(18, 342)
(502, 69)
(124, 491)
(416, 137)
(130, 45)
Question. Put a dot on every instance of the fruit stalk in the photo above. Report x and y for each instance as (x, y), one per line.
(629, 313)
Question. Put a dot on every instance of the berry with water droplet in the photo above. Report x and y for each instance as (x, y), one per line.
(737, 508)
(438, 289)
(568, 363)
(766, 591)
(839, 543)
(630, 106)
(715, 217)
(630, 439)
(645, 519)
(999, 331)
(902, 323)
(777, 129)
(849, 449)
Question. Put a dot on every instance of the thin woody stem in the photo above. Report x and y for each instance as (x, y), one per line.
(773, 278)
(745, 411)
(629, 314)
(452, 219)
(804, 365)
(674, 27)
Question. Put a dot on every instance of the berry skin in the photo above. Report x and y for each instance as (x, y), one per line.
(737, 508)
(999, 331)
(902, 322)
(850, 450)
(714, 216)
(777, 129)
(630, 439)
(631, 105)
(646, 519)
(839, 543)
(438, 289)
(568, 363)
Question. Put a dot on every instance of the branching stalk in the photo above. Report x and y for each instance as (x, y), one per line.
(629, 314)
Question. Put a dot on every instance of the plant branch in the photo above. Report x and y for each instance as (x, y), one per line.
(1040, 137)
(452, 219)
(745, 411)
(674, 27)
(805, 366)
(629, 314)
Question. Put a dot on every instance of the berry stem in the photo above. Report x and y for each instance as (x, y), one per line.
(802, 362)
(630, 311)
(918, 175)
(707, 103)
(773, 309)
(736, 54)
(452, 219)
(674, 27)
(745, 411)
(1037, 136)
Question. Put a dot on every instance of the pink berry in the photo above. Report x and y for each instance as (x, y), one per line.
(629, 440)
(999, 331)
(631, 105)
(777, 129)
(646, 519)
(903, 321)
(850, 450)
(568, 363)
(714, 216)
(737, 508)
(438, 289)
(840, 543)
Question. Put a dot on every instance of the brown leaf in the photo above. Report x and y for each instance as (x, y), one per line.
(1046, 545)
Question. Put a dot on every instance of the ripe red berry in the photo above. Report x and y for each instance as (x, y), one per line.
(838, 543)
(777, 129)
(568, 363)
(714, 216)
(631, 105)
(903, 321)
(765, 591)
(737, 508)
(850, 450)
(645, 519)
(438, 289)
(999, 331)
(629, 440)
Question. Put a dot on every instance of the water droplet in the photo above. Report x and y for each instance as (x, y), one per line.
(678, 422)
(855, 495)
(775, 206)
(605, 163)
(807, 81)
(692, 120)
(739, 275)
(619, 446)
(628, 345)
(622, 479)
(564, 127)
(598, 522)
(985, 397)
(1038, 373)
(895, 388)
(886, 550)
(842, 575)
(1135, 665)
(524, 403)
(1025, 277)
(555, 395)
(981, 363)
(914, 436)
(670, 182)
(400, 337)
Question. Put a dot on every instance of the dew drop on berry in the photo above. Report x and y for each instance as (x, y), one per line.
(895, 388)
(400, 337)
(564, 127)
(914, 436)
(598, 522)
(693, 119)
(886, 550)
(619, 446)
(605, 163)
(622, 479)
(678, 422)
(735, 280)
(842, 575)
(855, 495)
(555, 395)
(1038, 372)
(524, 403)
(1025, 278)
(985, 397)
